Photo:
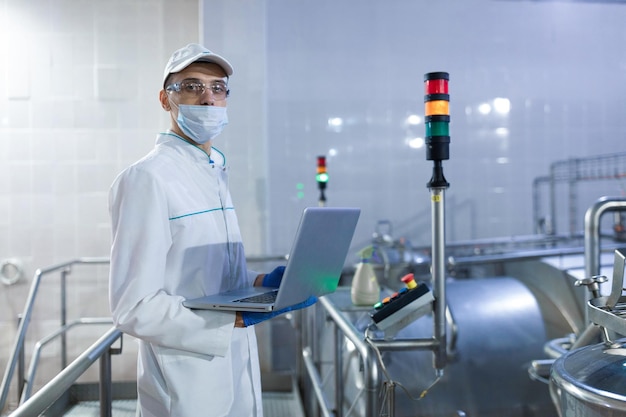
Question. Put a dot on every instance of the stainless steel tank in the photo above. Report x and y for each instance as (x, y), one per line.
(500, 329)
(591, 381)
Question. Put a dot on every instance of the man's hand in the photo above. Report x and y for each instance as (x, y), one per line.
(274, 278)
(239, 320)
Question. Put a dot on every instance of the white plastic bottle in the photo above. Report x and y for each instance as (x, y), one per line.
(365, 289)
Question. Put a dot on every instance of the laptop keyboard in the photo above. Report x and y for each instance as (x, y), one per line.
(265, 298)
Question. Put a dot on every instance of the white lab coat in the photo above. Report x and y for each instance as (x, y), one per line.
(175, 235)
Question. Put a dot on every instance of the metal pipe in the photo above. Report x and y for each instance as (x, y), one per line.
(557, 347)
(34, 361)
(539, 228)
(438, 273)
(539, 369)
(64, 274)
(104, 386)
(593, 217)
(21, 367)
(589, 336)
(370, 369)
(49, 393)
(397, 345)
(315, 381)
(551, 221)
(514, 256)
(338, 373)
(573, 195)
(19, 342)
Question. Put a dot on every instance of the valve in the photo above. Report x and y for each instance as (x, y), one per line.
(592, 284)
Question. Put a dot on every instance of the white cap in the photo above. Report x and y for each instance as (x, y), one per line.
(191, 53)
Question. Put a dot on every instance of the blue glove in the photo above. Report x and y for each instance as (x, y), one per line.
(250, 318)
(273, 278)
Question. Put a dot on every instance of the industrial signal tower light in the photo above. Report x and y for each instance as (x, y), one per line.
(322, 178)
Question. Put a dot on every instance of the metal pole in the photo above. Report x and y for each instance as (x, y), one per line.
(316, 382)
(48, 394)
(371, 375)
(438, 141)
(400, 345)
(338, 372)
(21, 366)
(551, 222)
(64, 316)
(593, 217)
(439, 274)
(106, 397)
(391, 399)
(17, 353)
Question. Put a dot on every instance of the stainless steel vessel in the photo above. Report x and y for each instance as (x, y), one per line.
(591, 381)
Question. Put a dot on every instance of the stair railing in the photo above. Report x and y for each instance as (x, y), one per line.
(17, 353)
(54, 389)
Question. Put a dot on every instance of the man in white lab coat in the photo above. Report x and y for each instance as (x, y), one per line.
(176, 236)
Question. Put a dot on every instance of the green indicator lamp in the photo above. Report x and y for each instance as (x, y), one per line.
(300, 191)
(322, 177)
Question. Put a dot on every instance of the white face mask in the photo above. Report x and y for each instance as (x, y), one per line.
(201, 123)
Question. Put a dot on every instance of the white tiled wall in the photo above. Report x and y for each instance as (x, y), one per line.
(79, 84)
(561, 65)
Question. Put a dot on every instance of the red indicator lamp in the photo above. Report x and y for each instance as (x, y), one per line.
(436, 83)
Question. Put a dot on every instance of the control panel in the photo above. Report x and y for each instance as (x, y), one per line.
(403, 307)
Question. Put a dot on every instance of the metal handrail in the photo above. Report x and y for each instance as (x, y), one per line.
(17, 353)
(54, 389)
(574, 170)
(34, 362)
(368, 366)
(18, 346)
(370, 370)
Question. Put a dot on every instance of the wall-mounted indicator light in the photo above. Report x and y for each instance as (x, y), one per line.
(300, 191)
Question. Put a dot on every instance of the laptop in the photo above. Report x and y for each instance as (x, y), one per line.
(313, 268)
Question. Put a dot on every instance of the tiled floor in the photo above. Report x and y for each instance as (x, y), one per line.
(275, 404)
(282, 404)
(120, 408)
